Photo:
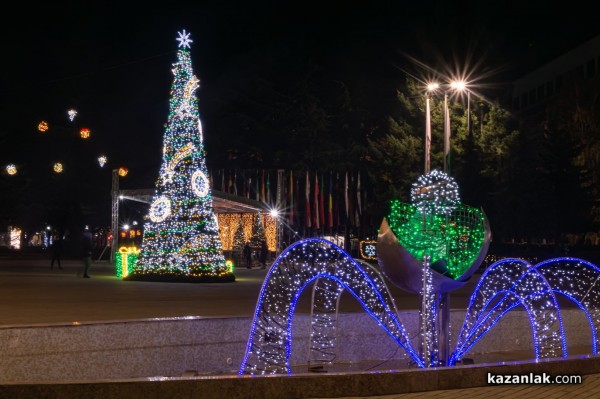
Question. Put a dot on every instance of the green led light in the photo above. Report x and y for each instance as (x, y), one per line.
(452, 242)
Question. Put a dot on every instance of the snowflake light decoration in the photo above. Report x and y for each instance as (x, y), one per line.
(435, 193)
(184, 39)
(160, 209)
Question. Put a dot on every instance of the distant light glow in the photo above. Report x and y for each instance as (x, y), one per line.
(274, 213)
(123, 171)
(11, 169)
(72, 114)
(433, 86)
(43, 126)
(15, 237)
(58, 167)
(102, 160)
(85, 133)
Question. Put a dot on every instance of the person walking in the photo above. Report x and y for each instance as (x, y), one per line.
(56, 249)
(248, 255)
(86, 252)
(263, 254)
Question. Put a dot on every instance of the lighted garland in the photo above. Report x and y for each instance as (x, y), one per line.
(435, 193)
(181, 241)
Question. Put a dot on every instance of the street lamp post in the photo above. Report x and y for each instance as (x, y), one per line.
(443, 321)
(430, 88)
(115, 214)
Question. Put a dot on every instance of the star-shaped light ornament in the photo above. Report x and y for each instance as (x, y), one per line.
(184, 39)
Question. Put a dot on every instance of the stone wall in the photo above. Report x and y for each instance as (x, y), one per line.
(178, 347)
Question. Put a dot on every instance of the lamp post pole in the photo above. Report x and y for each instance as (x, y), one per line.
(115, 214)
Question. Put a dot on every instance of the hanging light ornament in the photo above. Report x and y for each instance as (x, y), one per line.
(123, 171)
(43, 126)
(85, 133)
(102, 160)
(11, 169)
(58, 167)
(72, 114)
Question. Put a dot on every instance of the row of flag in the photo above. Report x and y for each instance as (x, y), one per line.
(315, 200)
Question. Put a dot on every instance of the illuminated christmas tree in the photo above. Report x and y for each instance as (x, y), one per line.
(239, 238)
(258, 232)
(181, 241)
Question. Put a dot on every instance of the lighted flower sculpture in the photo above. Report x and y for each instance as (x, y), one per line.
(441, 242)
(436, 228)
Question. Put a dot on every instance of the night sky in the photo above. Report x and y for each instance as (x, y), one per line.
(112, 62)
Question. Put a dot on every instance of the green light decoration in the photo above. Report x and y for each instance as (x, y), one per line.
(438, 225)
(125, 260)
(181, 238)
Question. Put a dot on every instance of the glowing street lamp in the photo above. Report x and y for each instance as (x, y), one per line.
(460, 86)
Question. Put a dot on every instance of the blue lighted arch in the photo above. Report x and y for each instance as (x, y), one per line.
(578, 280)
(269, 345)
(505, 285)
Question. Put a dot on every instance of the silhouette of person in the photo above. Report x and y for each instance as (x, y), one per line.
(248, 255)
(56, 249)
(86, 252)
(263, 254)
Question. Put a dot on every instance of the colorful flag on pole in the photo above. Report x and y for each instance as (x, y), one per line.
(330, 211)
(322, 204)
(297, 202)
(316, 201)
(307, 210)
(262, 187)
(268, 197)
(257, 186)
(358, 205)
(235, 183)
(346, 195)
(291, 196)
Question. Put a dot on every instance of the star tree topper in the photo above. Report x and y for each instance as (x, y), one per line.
(184, 39)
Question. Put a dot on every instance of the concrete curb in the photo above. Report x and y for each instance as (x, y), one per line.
(301, 386)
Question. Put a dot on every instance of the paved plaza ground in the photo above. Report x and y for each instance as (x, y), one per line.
(32, 294)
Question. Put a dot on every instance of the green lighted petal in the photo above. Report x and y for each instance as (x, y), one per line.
(455, 239)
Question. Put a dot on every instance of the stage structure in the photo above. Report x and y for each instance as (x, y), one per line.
(230, 210)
